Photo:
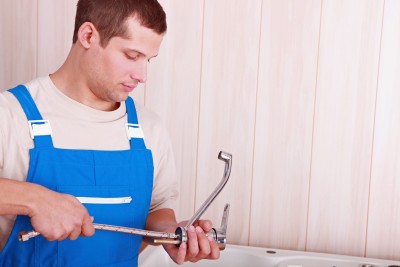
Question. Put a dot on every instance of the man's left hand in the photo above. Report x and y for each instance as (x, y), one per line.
(198, 246)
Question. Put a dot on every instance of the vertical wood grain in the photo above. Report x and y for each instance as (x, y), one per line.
(384, 210)
(239, 76)
(18, 43)
(285, 109)
(344, 115)
(227, 108)
(173, 90)
(56, 20)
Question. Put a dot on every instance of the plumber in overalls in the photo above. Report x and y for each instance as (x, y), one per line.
(76, 150)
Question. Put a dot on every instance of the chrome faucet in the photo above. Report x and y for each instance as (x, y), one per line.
(219, 235)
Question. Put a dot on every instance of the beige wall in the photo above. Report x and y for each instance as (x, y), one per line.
(304, 94)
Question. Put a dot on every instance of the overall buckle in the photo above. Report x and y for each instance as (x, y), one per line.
(39, 128)
(134, 131)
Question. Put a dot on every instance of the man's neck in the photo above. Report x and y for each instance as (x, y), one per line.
(70, 81)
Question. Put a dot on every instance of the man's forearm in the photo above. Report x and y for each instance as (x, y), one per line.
(15, 197)
(161, 220)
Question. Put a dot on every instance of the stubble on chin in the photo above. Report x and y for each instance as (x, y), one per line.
(115, 96)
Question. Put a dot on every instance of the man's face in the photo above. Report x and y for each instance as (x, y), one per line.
(116, 69)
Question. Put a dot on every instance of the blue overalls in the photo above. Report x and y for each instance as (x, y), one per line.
(116, 185)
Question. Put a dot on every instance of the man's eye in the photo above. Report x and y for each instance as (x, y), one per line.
(134, 58)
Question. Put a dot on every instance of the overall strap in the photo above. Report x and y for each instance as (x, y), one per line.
(134, 131)
(39, 128)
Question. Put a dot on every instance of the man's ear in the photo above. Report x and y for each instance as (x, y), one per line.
(87, 34)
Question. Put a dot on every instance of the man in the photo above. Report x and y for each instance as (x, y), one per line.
(75, 137)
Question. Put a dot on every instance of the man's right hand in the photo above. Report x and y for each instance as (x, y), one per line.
(56, 216)
(59, 216)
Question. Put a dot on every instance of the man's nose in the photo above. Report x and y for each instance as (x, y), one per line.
(139, 72)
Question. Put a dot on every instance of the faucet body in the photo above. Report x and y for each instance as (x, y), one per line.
(219, 235)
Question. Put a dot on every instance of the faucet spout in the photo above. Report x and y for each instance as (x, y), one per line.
(227, 158)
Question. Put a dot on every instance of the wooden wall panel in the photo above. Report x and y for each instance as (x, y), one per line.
(18, 44)
(56, 19)
(238, 76)
(227, 108)
(285, 109)
(173, 90)
(344, 116)
(384, 212)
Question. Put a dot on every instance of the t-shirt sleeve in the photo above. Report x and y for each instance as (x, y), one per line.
(1, 147)
(3, 123)
(165, 185)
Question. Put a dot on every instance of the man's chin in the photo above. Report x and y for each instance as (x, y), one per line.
(120, 97)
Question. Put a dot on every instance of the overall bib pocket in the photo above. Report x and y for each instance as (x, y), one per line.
(114, 205)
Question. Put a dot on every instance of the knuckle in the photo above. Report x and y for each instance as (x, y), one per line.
(51, 238)
(73, 237)
(206, 251)
(193, 252)
(214, 254)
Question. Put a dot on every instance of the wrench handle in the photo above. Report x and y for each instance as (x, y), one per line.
(25, 236)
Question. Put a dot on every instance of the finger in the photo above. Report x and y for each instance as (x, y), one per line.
(50, 238)
(87, 227)
(58, 233)
(75, 234)
(180, 256)
(62, 237)
(193, 245)
(215, 252)
(206, 225)
(203, 243)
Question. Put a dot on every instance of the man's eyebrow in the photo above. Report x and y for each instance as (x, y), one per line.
(132, 50)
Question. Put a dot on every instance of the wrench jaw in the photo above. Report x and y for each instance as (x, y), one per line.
(25, 236)
(22, 236)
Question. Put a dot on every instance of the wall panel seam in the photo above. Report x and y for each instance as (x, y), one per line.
(199, 105)
(373, 130)
(37, 39)
(255, 120)
(313, 127)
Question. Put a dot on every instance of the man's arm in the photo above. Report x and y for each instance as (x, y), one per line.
(198, 247)
(56, 216)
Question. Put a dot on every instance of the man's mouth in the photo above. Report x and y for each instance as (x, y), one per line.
(129, 87)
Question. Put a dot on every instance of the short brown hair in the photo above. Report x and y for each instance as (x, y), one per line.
(109, 16)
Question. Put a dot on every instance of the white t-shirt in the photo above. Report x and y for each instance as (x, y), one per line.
(76, 126)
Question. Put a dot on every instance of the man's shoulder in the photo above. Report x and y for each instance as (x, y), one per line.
(8, 103)
(147, 116)
(154, 128)
(32, 86)
(12, 117)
